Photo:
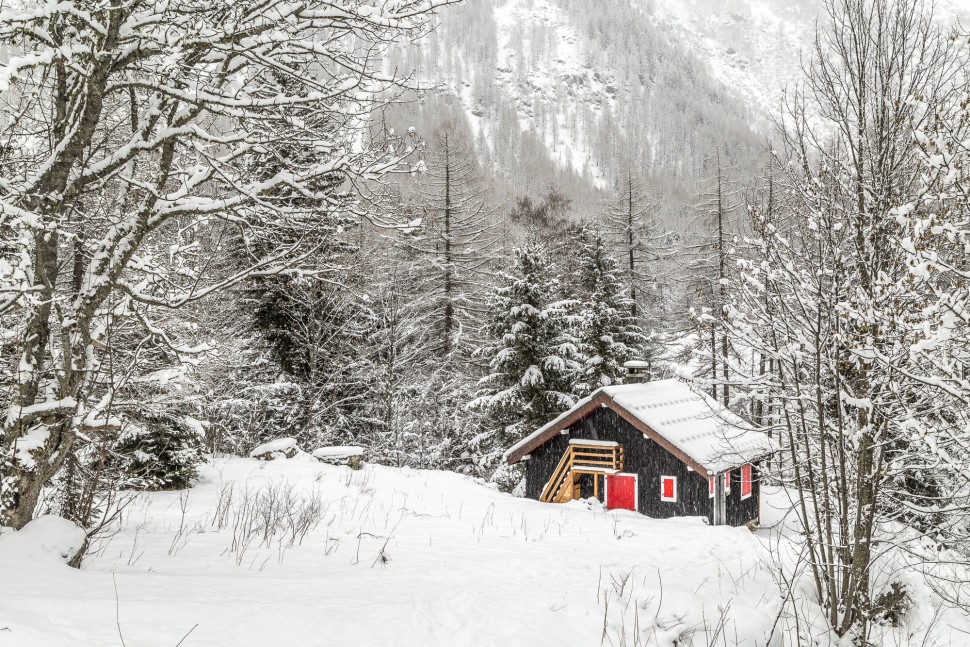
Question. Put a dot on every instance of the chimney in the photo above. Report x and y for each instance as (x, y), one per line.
(637, 372)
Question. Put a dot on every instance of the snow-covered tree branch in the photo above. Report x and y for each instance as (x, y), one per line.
(143, 140)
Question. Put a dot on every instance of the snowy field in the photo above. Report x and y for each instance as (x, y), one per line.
(295, 552)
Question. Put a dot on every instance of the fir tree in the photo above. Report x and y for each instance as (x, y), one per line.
(533, 355)
(607, 330)
(157, 452)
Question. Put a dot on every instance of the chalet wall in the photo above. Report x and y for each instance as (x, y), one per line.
(740, 512)
(642, 456)
(649, 461)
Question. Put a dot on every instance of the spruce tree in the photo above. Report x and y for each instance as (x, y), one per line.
(607, 332)
(532, 354)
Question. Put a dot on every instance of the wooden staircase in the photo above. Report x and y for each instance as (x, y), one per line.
(594, 457)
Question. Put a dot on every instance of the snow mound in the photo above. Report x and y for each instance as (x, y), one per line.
(47, 538)
(340, 455)
(274, 449)
(338, 451)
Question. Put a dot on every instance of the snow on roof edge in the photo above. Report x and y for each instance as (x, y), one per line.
(723, 450)
(541, 430)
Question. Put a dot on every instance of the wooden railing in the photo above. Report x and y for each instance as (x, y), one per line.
(582, 457)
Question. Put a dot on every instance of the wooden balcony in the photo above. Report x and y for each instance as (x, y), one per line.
(596, 457)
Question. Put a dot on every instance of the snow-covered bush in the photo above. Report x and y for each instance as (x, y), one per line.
(47, 537)
(158, 452)
(509, 478)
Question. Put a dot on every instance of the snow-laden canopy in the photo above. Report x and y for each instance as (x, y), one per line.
(673, 414)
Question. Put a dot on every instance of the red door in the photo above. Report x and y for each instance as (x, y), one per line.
(621, 491)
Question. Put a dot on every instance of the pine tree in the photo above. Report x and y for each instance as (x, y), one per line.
(157, 452)
(607, 330)
(533, 354)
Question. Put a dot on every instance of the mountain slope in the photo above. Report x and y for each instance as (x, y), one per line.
(588, 88)
(576, 92)
(755, 47)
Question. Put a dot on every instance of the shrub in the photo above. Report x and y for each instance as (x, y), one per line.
(158, 452)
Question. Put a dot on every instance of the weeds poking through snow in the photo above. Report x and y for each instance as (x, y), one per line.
(183, 507)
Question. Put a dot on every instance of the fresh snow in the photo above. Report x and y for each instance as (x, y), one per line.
(694, 422)
(338, 451)
(274, 446)
(399, 557)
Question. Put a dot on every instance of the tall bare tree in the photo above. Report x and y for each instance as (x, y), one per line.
(458, 236)
(830, 297)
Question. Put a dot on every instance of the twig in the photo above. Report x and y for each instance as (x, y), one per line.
(186, 635)
(118, 611)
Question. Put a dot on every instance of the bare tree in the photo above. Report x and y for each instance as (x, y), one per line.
(828, 296)
(457, 236)
(132, 133)
(709, 262)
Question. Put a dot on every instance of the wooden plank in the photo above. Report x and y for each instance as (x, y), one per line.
(554, 484)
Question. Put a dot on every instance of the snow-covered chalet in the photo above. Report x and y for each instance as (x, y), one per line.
(658, 447)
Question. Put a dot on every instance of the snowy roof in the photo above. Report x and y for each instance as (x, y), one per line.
(687, 423)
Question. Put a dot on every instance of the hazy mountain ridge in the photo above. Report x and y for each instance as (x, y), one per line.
(582, 89)
(755, 48)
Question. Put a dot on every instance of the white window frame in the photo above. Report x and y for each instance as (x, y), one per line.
(727, 483)
(750, 481)
(662, 497)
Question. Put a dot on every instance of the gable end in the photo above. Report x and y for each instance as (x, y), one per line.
(602, 399)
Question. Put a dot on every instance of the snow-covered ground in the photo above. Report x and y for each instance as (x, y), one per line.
(391, 557)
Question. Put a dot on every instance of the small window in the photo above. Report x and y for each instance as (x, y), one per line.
(668, 488)
(727, 483)
(746, 480)
(711, 481)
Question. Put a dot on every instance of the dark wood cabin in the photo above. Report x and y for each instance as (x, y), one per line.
(659, 448)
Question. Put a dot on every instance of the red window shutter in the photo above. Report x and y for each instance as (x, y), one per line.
(668, 488)
(711, 480)
(746, 480)
(727, 482)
